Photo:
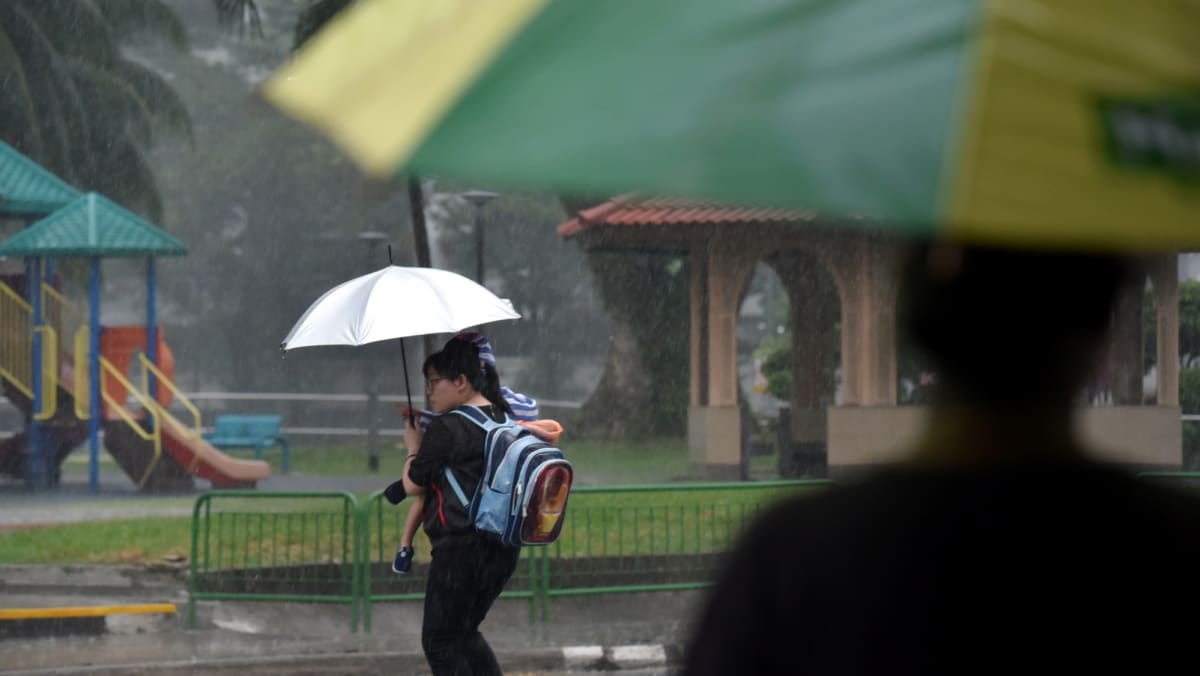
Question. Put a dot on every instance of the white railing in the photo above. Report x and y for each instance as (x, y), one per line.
(208, 403)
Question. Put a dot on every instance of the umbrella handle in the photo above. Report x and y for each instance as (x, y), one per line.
(407, 390)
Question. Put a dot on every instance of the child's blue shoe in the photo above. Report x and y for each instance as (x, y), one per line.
(403, 561)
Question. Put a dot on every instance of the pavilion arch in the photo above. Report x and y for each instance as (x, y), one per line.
(865, 426)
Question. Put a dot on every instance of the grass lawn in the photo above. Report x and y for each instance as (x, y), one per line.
(596, 462)
(611, 520)
(599, 521)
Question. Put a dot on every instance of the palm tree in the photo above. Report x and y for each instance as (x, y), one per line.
(74, 103)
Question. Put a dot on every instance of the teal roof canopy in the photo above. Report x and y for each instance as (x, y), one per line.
(27, 187)
(92, 225)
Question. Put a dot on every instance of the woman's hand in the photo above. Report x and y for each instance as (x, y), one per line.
(412, 435)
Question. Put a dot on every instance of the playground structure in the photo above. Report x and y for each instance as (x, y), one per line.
(68, 374)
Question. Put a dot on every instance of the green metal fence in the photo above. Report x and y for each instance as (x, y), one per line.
(1185, 478)
(276, 546)
(650, 538)
(322, 547)
(382, 526)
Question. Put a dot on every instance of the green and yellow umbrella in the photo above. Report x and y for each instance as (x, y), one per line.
(1040, 122)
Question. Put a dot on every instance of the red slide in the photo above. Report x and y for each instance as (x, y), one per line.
(204, 461)
(184, 445)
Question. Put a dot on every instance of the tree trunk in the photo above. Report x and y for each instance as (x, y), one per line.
(1126, 353)
(644, 387)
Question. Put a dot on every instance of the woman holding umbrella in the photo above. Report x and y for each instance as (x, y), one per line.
(468, 570)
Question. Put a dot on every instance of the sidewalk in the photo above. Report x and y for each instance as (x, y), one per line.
(632, 633)
(615, 632)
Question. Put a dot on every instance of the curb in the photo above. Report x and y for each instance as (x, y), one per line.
(84, 620)
(621, 657)
(570, 658)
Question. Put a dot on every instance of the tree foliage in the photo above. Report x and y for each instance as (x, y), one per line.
(75, 104)
(1189, 324)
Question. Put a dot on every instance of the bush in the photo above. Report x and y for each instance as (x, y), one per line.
(776, 355)
(1189, 402)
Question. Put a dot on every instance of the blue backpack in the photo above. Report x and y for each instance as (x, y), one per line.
(522, 495)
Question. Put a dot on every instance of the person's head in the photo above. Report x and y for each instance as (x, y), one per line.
(456, 374)
(1009, 328)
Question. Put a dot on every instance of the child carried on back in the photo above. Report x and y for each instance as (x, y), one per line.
(524, 411)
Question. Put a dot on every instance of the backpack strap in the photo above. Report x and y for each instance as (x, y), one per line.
(475, 415)
(454, 485)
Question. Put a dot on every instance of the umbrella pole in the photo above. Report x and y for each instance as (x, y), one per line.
(407, 390)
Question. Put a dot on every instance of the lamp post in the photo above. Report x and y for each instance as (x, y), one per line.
(478, 198)
(372, 238)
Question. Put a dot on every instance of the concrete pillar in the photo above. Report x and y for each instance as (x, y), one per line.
(1164, 274)
(720, 270)
(867, 286)
(698, 328)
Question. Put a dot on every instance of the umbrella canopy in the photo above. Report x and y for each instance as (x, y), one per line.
(396, 302)
(1065, 122)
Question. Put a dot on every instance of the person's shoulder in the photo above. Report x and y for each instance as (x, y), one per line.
(460, 420)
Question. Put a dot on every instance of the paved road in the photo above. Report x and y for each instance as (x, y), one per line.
(285, 638)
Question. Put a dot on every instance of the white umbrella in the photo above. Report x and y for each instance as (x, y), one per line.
(396, 302)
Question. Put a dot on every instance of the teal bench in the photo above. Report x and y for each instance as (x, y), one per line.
(259, 432)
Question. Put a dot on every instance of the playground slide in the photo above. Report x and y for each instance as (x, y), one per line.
(203, 460)
(182, 448)
(183, 457)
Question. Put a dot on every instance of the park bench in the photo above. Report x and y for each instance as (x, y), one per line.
(259, 432)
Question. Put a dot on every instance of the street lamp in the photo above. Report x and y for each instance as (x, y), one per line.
(478, 198)
(372, 238)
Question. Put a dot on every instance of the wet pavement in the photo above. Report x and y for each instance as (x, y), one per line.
(630, 633)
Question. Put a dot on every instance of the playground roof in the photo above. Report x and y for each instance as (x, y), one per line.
(26, 187)
(92, 225)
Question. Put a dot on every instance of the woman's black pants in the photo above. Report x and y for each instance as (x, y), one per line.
(463, 582)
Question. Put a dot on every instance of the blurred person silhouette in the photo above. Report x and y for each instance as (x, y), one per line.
(998, 544)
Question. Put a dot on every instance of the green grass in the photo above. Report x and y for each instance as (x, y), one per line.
(624, 515)
(254, 533)
(596, 462)
(148, 539)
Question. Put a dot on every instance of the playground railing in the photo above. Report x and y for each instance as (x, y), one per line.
(277, 546)
(154, 434)
(82, 371)
(16, 341)
(61, 313)
(163, 380)
(48, 372)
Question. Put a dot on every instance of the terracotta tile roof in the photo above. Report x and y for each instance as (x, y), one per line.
(641, 210)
